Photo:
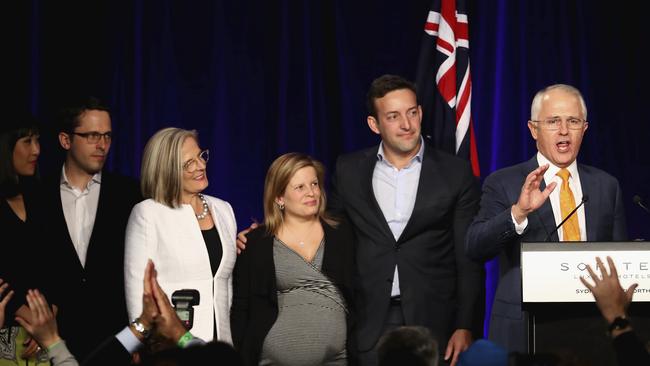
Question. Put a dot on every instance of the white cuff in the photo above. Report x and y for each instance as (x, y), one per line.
(519, 228)
(130, 342)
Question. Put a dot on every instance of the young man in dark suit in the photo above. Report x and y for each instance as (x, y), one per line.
(527, 201)
(410, 206)
(86, 209)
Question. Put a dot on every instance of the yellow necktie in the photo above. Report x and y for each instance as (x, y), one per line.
(571, 228)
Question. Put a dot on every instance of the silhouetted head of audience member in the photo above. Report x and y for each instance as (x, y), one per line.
(211, 353)
(408, 345)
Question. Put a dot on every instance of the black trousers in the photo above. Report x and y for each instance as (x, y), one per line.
(394, 319)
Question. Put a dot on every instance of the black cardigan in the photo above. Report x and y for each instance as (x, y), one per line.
(255, 301)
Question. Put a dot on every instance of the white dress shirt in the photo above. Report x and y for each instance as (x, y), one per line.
(80, 210)
(574, 183)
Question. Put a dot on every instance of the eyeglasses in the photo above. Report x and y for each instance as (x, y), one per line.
(191, 165)
(94, 137)
(554, 123)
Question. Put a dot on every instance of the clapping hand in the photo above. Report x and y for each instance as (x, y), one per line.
(42, 327)
(4, 301)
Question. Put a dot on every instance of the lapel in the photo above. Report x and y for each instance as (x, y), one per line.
(65, 252)
(224, 233)
(332, 253)
(366, 169)
(263, 266)
(103, 209)
(104, 214)
(544, 215)
(427, 192)
(589, 188)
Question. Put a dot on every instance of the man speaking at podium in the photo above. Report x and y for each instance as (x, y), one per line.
(547, 198)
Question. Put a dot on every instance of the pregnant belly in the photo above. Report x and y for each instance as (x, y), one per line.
(310, 330)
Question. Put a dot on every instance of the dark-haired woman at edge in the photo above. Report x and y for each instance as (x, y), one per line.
(19, 151)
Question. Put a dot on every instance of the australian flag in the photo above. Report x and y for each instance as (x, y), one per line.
(444, 81)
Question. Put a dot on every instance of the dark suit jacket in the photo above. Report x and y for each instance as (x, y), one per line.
(440, 287)
(493, 233)
(91, 299)
(19, 243)
(109, 353)
(255, 301)
(630, 350)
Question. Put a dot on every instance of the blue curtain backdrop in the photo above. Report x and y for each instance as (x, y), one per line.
(260, 78)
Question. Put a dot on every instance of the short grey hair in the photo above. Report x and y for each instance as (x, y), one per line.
(536, 105)
(161, 175)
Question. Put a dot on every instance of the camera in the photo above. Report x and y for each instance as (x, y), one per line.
(184, 301)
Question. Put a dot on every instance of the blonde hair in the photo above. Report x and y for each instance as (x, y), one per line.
(277, 179)
(161, 175)
(536, 105)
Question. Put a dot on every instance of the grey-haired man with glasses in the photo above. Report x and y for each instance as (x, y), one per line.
(526, 202)
(86, 209)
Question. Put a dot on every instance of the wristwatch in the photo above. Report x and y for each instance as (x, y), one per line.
(140, 328)
(620, 322)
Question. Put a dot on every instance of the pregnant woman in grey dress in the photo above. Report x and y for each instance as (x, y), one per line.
(292, 285)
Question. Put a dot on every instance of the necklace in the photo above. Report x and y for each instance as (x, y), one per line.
(301, 242)
(203, 213)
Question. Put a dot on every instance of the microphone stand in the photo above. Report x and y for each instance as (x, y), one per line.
(585, 198)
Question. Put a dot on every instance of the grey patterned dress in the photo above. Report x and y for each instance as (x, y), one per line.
(311, 324)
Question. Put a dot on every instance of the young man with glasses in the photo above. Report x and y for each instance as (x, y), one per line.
(87, 209)
(526, 202)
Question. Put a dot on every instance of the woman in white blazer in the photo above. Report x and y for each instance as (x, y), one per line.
(190, 236)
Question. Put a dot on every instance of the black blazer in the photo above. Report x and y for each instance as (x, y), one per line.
(493, 234)
(19, 243)
(441, 288)
(91, 299)
(255, 301)
(109, 353)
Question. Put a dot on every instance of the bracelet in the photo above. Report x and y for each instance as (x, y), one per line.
(51, 346)
(184, 339)
(619, 323)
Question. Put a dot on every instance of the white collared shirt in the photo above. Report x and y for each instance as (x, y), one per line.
(574, 183)
(395, 191)
(80, 210)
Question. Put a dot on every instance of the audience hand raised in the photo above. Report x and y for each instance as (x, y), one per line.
(5, 300)
(167, 324)
(149, 308)
(610, 297)
(42, 327)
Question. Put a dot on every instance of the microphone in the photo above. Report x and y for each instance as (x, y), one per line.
(639, 202)
(585, 198)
